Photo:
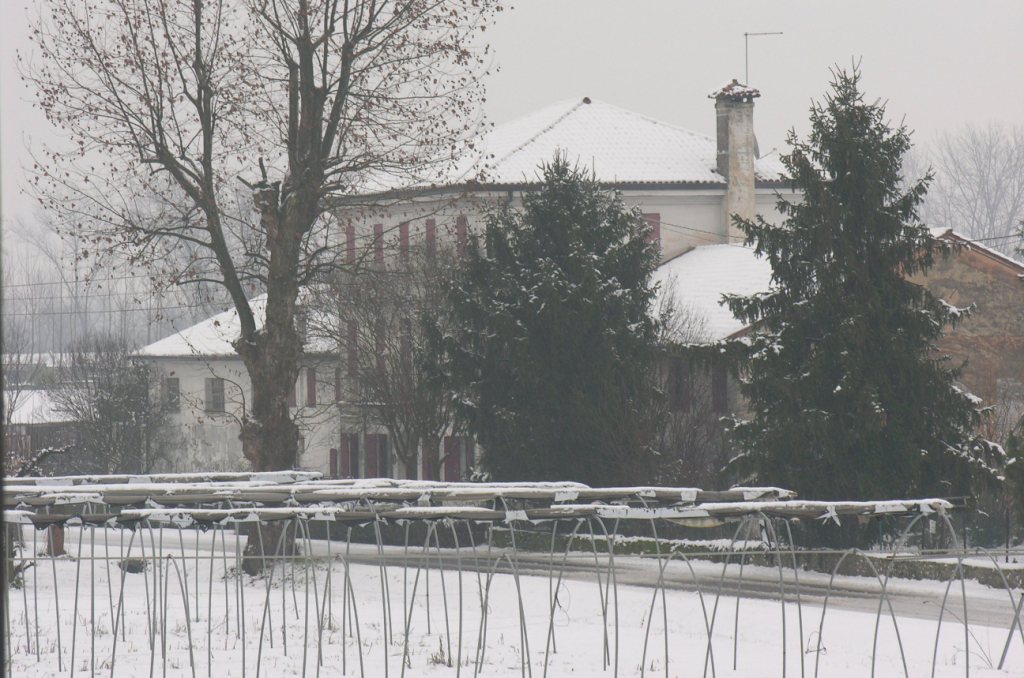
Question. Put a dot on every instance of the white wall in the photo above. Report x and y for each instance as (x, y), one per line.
(209, 441)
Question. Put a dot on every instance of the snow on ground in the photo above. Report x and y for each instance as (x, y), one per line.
(769, 634)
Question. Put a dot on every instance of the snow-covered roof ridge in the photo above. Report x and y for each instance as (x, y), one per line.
(619, 145)
(951, 234)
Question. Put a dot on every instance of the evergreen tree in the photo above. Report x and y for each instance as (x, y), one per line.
(848, 396)
(550, 346)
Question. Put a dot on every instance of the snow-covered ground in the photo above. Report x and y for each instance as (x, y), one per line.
(446, 636)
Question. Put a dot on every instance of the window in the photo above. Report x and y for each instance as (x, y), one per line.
(172, 393)
(348, 455)
(311, 386)
(214, 401)
(680, 386)
(458, 457)
(654, 221)
(377, 455)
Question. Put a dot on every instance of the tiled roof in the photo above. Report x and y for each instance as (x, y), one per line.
(619, 145)
(698, 278)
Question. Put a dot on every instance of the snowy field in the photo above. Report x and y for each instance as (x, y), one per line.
(226, 625)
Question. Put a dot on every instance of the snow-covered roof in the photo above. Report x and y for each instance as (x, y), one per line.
(619, 145)
(34, 407)
(214, 336)
(698, 278)
(950, 234)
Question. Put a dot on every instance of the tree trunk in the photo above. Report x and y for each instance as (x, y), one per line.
(269, 435)
(432, 456)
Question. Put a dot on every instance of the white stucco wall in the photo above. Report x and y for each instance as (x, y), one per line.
(209, 441)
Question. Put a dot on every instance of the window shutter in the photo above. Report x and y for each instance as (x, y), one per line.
(311, 386)
(350, 244)
(403, 240)
(208, 395)
(461, 226)
(431, 237)
(378, 243)
(424, 464)
(334, 462)
(337, 384)
(451, 459)
(291, 394)
(372, 468)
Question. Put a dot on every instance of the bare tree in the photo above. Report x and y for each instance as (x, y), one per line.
(315, 101)
(377, 317)
(979, 184)
(116, 405)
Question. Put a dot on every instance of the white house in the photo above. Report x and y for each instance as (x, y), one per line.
(684, 182)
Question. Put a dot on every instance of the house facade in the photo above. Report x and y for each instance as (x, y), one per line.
(685, 183)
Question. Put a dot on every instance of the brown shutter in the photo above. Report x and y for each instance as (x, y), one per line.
(350, 244)
(431, 237)
(378, 243)
(291, 393)
(403, 240)
(461, 226)
(311, 386)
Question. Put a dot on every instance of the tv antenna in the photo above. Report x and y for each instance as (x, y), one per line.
(746, 52)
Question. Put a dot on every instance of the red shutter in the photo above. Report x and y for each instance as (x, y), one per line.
(350, 244)
(372, 461)
(452, 458)
(346, 456)
(431, 236)
(311, 386)
(403, 240)
(378, 243)
(460, 234)
(654, 220)
(334, 462)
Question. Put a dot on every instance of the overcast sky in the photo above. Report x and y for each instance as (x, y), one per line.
(939, 63)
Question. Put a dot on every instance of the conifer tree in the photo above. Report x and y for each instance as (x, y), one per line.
(550, 349)
(848, 396)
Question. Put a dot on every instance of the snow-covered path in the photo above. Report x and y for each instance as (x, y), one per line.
(595, 626)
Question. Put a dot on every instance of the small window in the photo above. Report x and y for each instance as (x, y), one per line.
(172, 393)
(214, 394)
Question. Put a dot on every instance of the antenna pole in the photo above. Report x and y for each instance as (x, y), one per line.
(746, 52)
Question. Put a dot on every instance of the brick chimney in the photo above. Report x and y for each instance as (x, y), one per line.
(737, 150)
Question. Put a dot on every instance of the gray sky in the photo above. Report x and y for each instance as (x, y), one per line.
(939, 63)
